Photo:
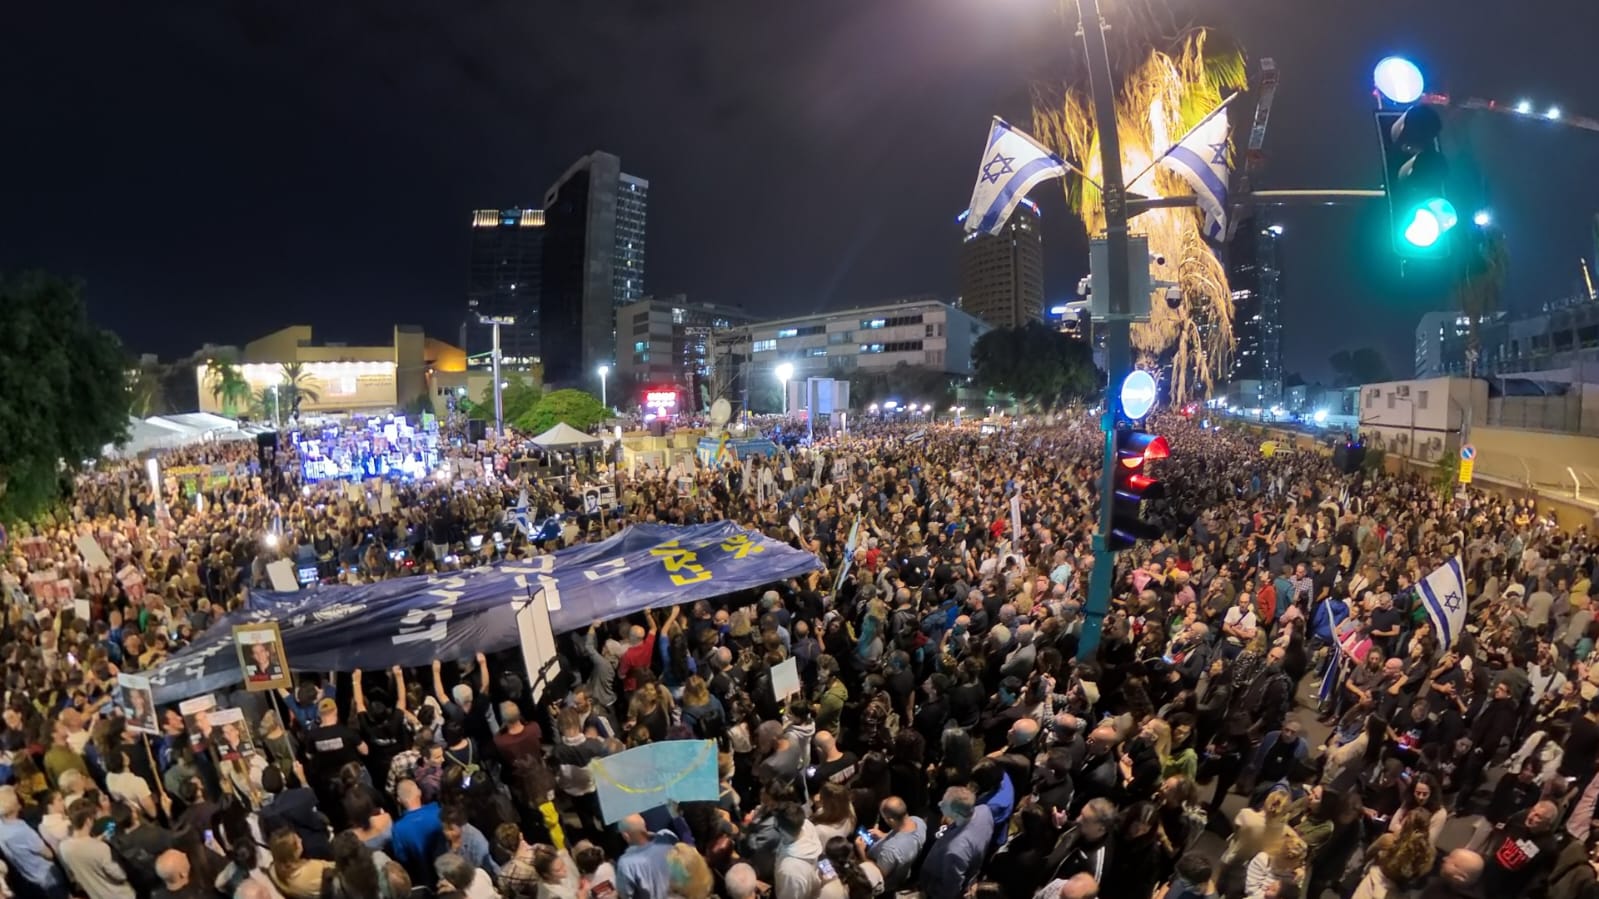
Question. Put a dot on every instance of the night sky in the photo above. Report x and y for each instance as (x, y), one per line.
(217, 170)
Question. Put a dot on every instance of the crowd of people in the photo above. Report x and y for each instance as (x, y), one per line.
(1269, 712)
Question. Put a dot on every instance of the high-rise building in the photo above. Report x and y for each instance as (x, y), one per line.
(594, 237)
(663, 342)
(1257, 308)
(1002, 275)
(505, 280)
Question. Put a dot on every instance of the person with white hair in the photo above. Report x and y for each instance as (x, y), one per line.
(1021, 659)
(643, 871)
(740, 882)
(25, 851)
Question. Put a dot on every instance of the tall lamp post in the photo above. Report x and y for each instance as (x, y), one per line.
(1118, 350)
(605, 371)
(494, 322)
(785, 371)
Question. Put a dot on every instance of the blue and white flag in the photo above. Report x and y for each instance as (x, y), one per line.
(1443, 594)
(1201, 160)
(1013, 164)
(517, 515)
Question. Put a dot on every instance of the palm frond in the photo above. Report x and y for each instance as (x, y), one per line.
(1160, 99)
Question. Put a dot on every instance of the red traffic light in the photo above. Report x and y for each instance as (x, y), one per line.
(1138, 447)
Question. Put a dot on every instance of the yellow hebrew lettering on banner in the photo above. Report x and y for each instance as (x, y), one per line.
(741, 545)
(681, 563)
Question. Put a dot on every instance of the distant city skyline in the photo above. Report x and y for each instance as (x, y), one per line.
(215, 173)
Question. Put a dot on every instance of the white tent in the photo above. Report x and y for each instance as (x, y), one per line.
(564, 435)
(147, 435)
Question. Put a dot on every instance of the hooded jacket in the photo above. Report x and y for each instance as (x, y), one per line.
(796, 875)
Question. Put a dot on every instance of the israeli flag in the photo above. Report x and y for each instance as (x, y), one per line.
(1201, 160)
(517, 515)
(1443, 594)
(1013, 164)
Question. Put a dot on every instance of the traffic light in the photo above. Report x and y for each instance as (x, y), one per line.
(1134, 451)
(1415, 170)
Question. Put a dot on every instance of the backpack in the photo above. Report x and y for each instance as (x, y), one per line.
(710, 726)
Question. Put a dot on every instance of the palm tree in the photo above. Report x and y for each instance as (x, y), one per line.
(146, 390)
(227, 385)
(264, 403)
(1167, 87)
(297, 386)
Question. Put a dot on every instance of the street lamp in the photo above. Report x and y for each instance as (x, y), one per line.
(494, 322)
(784, 371)
(604, 371)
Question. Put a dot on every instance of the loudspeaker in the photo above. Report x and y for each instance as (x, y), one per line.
(1348, 457)
(266, 449)
(476, 429)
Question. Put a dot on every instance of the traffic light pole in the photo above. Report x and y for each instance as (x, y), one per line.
(1118, 323)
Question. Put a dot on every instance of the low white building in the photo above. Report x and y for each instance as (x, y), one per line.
(1421, 419)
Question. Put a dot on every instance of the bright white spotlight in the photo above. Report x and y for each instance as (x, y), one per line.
(1320, 416)
(1524, 107)
(1276, 229)
(1398, 79)
(1553, 114)
(1483, 218)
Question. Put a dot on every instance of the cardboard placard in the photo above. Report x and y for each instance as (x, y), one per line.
(137, 703)
(262, 659)
(93, 555)
(785, 679)
(283, 576)
(233, 742)
(196, 714)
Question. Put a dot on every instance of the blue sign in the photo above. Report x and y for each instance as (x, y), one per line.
(412, 621)
(1138, 394)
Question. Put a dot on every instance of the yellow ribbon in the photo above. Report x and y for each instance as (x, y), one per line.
(597, 768)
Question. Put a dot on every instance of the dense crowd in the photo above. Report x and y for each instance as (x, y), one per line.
(946, 741)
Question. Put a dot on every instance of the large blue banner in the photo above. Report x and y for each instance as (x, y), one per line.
(412, 621)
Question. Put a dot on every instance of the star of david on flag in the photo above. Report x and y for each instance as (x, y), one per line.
(1012, 164)
(1443, 596)
(517, 515)
(1201, 161)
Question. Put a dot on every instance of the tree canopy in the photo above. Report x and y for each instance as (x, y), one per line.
(904, 383)
(576, 408)
(63, 391)
(1352, 368)
(1035, 364)
(517, 398)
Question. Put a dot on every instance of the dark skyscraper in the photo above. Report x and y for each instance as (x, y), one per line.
(505, 280)
(1002, 275)
(593, 263)
(1256, 283)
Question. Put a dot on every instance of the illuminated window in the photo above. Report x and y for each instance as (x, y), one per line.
(762, 346)
(640, 346)
(787, 332)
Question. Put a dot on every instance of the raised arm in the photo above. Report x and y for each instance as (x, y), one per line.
(357, 696)
(483, 675)
(438, 685)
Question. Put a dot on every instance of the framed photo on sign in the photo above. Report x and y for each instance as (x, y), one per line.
(137, 703)
(261, 657)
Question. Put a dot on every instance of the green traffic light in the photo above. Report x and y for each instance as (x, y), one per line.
(1428, 222)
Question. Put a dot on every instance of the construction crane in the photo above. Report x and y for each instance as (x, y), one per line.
(1254, 154)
